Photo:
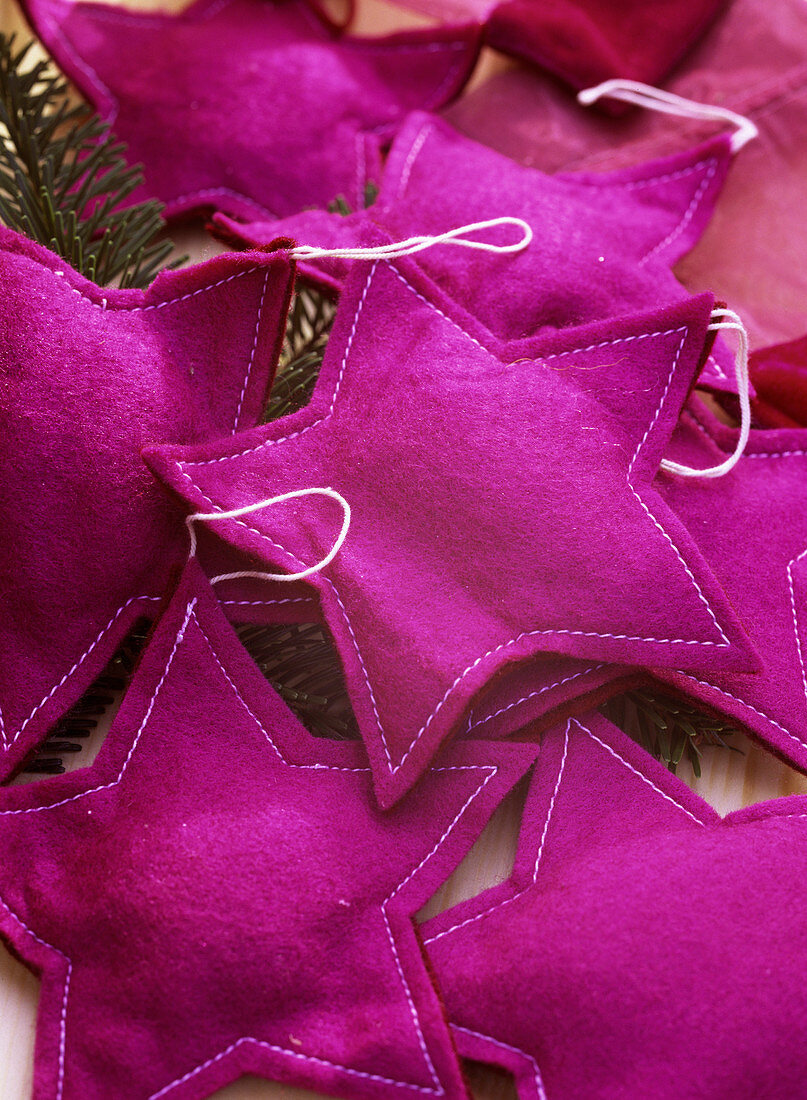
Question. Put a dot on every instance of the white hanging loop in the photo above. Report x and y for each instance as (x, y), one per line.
(234, 513)
(734, 323)
(419, 244)
(655, 99)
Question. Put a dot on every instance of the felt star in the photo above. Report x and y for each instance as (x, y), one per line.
(588, 41)
(608, 967)
(751, 527)
(779, 374)
(485, 529)
(88, 376)
(604, 243)
(253, 108)
(218, 894)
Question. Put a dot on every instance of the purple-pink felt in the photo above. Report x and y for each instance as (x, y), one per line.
(751, 526)
(90, 376)
(501, 504)
(254, 108)
(219, 894)
(604, 243)
(643, 947)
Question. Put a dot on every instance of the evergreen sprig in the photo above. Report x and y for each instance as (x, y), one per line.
(63, 178)
(670, 729)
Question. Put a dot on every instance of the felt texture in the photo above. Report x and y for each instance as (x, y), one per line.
(88, 376)
(478, 522)
(218, 894)
(751, 526)
(779, 374)
(604, 243)
(544, 691)
(587, 41)
(754, 61)
(254, 108)
(604, 967)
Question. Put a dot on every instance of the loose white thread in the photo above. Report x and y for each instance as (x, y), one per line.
(247, 508)
(655, 99)
(734, 323)
(418, 244)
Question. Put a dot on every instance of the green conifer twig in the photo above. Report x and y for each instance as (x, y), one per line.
(63, 178)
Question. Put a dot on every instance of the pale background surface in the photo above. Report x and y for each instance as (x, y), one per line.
(730, 780)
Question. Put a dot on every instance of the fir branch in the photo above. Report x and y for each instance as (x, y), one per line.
(307, 332)
(63, 178)
(670, 729)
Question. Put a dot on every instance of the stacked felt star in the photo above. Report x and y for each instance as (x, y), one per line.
(89, 376)
(218, 894)
(479, 521)
(751, 527)
(604, 244)
(254, 108)
(608, 965)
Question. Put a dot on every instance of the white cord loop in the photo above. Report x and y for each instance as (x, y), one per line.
(419, 244)
(655, 99)
(734, 323)
(235, 512)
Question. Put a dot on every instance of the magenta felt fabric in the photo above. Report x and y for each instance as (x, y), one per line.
(607, 966)
(604, 243)
(754, 61)
(587, 41)
(254, 108)
(218, 894)
(477, 522)
(89, 376)
(751, 526)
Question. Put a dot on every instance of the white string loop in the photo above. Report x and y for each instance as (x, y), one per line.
(734, 323)
(418, 244)
(235, 512)
(655, 99)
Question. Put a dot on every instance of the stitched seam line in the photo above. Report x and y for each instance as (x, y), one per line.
(82, 659)
(539, 1083)
(689, 214)
(104, 306)
(393, 769)
(531, 695)
(258, 320)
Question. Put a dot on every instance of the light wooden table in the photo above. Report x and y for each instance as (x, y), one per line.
(729, 780)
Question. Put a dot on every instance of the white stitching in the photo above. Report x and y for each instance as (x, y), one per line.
(645, 779)
(689, 214)
(489, 771)
(258, 320)
(393, 769)
(547, 820)
(63, 1014)
(539, 1082)
(80, 661)
(539, 854)
(105, 306)
(414, 151)
(531, 695)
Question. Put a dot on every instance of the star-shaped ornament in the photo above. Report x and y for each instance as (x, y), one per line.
(779, 374)
(604, 244)
(607, 967)
(219, 894)
(501, 504)
(89, 376)
(253, 108)
(751, 526)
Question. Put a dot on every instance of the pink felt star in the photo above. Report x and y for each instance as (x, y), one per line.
(608, 967)
(254, 108)
(604, 243)
(484, 530)
(89, 376)
(218, 894)
(752, 529)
